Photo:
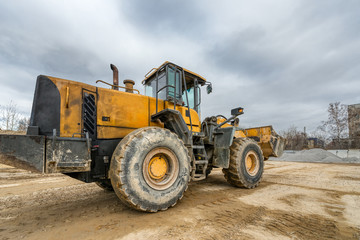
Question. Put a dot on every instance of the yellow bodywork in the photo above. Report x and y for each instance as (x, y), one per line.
(125, 111)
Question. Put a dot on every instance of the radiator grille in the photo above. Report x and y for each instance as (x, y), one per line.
(89, 114)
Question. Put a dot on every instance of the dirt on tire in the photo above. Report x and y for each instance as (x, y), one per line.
(128, 169)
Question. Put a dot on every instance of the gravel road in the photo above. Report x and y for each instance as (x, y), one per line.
(294, 201)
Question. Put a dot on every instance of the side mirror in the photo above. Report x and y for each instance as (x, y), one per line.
(209, 88)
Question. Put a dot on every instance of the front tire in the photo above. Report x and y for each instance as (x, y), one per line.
(150, 169)
(246, 164)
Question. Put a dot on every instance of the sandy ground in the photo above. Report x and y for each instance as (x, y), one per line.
(294, 201)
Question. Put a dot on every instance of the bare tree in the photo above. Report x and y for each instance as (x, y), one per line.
(337, 124)
(320, 134)
(295, 139)
(10, 116)
(23, 124)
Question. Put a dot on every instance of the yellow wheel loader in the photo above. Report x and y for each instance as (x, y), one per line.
(146, 148)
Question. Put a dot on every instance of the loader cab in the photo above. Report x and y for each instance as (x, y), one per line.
(173, 83)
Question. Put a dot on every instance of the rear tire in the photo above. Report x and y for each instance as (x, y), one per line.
(246, 164)
(150, 169)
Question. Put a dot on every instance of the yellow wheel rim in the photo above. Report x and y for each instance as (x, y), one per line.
(160, 168)
(157, 167)
(252, 163)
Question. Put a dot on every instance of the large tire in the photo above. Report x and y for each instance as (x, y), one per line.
(246, 163)
(106, 185)
(150, 169)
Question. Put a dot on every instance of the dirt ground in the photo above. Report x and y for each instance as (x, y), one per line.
(294, 201)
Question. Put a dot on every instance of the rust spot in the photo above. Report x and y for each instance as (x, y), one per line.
(67, 113)
(76, 102)
(51, 167)
(66, 127)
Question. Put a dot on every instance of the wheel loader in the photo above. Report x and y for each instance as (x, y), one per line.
(146, 148)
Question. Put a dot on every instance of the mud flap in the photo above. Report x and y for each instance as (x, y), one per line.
(223, 140)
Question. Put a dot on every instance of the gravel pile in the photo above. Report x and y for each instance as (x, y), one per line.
(314, 155)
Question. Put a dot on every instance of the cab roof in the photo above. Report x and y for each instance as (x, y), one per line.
(188, 73)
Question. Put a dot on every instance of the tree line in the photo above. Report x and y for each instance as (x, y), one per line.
(331, 133)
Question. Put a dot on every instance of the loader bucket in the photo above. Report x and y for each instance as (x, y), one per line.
(270, 142)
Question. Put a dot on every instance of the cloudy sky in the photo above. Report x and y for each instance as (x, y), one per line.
(283, 61)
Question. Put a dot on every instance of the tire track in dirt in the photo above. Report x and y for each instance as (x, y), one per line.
(211, 209)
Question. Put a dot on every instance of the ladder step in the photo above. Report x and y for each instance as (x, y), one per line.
(199, 134)
(201, 161)
(198, 147)
(198, 177)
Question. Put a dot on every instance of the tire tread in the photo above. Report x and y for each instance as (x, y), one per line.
(233, 174)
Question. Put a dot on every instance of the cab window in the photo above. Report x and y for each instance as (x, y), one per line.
(172, 78)
(150, 87)
(191, 97)
(194, 98)
(169, 77)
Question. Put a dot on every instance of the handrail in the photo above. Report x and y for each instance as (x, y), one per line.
(118, 86)
(198, 94)
(167, 86)
(150, 72)
(187, 99)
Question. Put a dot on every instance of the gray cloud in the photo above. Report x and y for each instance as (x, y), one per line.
(294, 69)
(247, 52)
(283, 61)
(164, 17)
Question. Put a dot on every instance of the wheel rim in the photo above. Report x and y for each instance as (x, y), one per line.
(160, 168)
(252, 163)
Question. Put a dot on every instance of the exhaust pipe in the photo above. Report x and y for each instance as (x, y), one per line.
(115, 76)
